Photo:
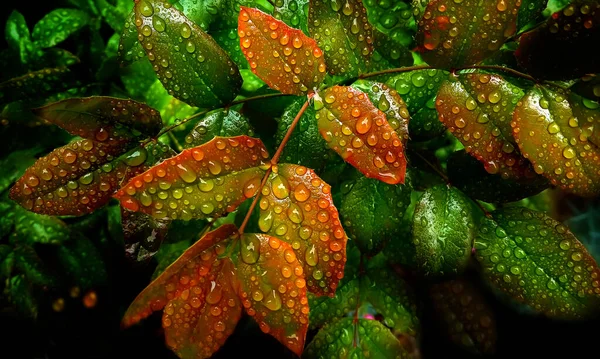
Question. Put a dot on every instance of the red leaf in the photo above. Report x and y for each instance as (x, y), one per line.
(273, 289)
(205, 181)
(283, 57)
(296, 206)
(361, 134)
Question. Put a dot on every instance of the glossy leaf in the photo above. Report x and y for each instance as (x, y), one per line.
(296, 206)
(205, 181)
(443, 231)
(389, 53)
(292, 13)
(57, 26)
(372, 212)
(391, 17)
(530, 12)
(229, 40)
(14, 164)
(588, 87)
(325, 310)
(203, 13)
(200, 72)
(273, 288)
(460, 34)
(557, 131)
(39, 84)
(360, 133)
(224, 123)
(466, 315)
(17, 35)
(343, 32)
(559, 48)
(35, 228)
(349, 338)
(469, 175)
(477, 109)
(283, 57)
(537, 261)
(130, 49)
(108, 120)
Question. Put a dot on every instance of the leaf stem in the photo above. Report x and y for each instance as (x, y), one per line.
(394, 71)
(499, 68)
(259, 97)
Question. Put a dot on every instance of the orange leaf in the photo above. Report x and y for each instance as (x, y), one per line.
(205, 181)
(273, 289)
(360, 133)
(283, 57)
(296, 206)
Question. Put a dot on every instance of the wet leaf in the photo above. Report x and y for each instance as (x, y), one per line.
(557, 131)
(39, 84)
(537, 261)
(202, 13)
(273, 288)
(229, 40)
(372, 212)
(559, 48)
(477, 109)
(588, 87)
(296, 206)
(360, 133)
(530, 12)
(325, 310)
(14, 164)
(205, 181)
(452, 35)
(466, 315)
(443, 231)
(292, 13)
(20, 294)
(36, 228)
(130, 49)
(200, 73)
(468, 175)
(17, 35)
(390, 17)
(342, 31)
(224, 123)
(389, 53)
(57, 26)
(283, 57)
(29, 263)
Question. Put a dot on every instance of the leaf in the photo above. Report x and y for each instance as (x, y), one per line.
(349, 338)
(113, 15)
(286, 59)
(205, 181)
(530, 12)
(109, 120)
(36, 228)
(14, 164)
(342, 30)
(18, 37)
(588, 87)
(224, 123)
(202, 13)
(443, 231)
(468, 175)
(557, 131)
(537, 261)
(325, 310)
(39, 84)
(130, 49)
(372, 211)
(292, 13)
(29, 263)
(200, 73)
(389, 53)
(20, 294)
(276, 299)
(389, 17)
(559, 48)
(477, 109)
(452, 35)
(467, 317)
(82, 262)
(296, 206)
(360, 133)
(58, 25)
(229, 40)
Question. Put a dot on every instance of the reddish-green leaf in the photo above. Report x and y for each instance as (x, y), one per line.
(273, 289)
(342, 30)
(559, 49)
(189, 63)
(466, 315)
(360, 133)
(296, 206)
(109, 120)
(455, 34)
(558, 132)
(283, 57)
(477, 109)
(537, 261)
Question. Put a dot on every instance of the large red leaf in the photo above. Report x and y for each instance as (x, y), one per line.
(296, 206)
(360, 133)
(205, 181)
(273, 289)
(283, 57)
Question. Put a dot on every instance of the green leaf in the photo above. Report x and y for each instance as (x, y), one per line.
(465, 315)
(17, 35)
(229, 40)
(130, 49)
(393, 18)
(39, 84)
(82, 262)
(36, 228)
(558, 132)
(588, 87)
(20, 294)
(58, 25)
(362, 338)
(114, 16)
(389, 53)
(15, 164)
(224, 123)
(451, 35)
(201, 12)
(530, 12)
(371, 212)
(537, 261)
(29, 263)
(342, 31)
(292, 12)
(189, 63)
(443, 231)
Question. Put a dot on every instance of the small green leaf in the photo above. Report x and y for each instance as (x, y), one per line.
(537, 261)
(36, 228)
(292, 12)
(224, 123)
(15, 164)
(325, 310)
(20, 294)
(39, 84)
(29, 263)
(371, 212)
(530, 12)
(18, 37)
(58, 25)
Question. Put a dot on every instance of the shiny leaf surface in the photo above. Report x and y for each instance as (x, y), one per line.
(224, 123)
(57, 26)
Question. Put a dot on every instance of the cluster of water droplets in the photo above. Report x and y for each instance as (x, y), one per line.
(58, 25)
(292, 12)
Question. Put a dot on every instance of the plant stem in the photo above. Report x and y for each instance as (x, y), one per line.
(259, 97)
(394, 71)
(499, 68)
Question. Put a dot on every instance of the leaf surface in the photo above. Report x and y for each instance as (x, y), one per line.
(57, 26)
(224, 123)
